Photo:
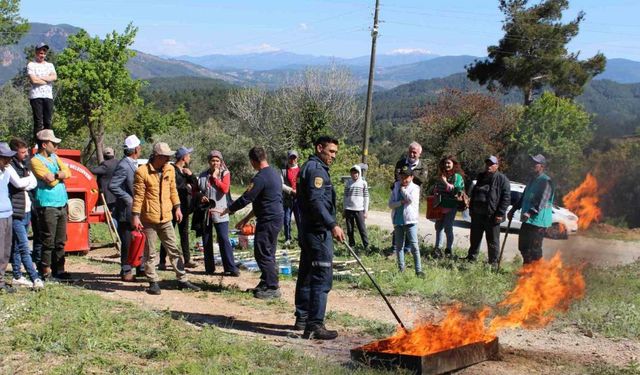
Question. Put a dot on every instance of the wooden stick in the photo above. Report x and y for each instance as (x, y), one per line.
(112, 230)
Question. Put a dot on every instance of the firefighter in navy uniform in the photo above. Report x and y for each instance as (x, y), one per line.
(265, 194)
(317, 199)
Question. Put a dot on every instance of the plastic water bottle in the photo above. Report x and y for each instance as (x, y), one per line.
(284, 266)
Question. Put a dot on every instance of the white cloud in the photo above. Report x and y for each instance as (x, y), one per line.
(169, 42)
(410, 51)
(303, 26)
(261, 48)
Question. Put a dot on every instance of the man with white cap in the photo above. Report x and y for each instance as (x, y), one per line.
(489, 201)
(155, 203)
(121, 186)
(535, 206)
(41, 74)
(51, 203)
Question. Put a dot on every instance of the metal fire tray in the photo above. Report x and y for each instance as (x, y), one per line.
(432, 363)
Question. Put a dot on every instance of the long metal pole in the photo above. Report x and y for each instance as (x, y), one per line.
(393, 311)
(372, 64)
(504, 243)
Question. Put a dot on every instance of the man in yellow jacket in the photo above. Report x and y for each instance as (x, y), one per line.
(155, 200)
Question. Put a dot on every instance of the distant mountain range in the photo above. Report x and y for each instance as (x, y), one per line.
(271, 69)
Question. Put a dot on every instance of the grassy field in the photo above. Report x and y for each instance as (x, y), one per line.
(66, 330)
(611, 306)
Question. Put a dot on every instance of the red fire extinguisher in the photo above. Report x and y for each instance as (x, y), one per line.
(136, 248)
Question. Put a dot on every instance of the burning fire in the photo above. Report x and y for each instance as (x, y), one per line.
(543, 287)
(584, 202)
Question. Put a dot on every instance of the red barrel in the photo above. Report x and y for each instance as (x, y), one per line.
(136, 248)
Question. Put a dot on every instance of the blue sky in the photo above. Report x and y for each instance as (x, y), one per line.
(330, 27)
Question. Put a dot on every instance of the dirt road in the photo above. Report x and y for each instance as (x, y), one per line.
(576, 249)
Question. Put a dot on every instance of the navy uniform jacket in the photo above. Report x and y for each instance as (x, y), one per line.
(265, 191)
(316, 196)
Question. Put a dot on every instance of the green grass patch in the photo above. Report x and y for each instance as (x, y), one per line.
(76, 332)
(632, 368)
(374, 328)
(445, 280)
(611, 305)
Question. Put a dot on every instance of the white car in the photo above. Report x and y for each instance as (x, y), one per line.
(564, 222)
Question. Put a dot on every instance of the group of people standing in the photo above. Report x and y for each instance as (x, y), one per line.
(154, 197)
(488, 203)
(32, 192)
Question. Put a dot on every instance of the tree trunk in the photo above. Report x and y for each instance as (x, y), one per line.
(97, 137)
(528, 95)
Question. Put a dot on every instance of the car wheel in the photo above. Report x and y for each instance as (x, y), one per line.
(557, 231)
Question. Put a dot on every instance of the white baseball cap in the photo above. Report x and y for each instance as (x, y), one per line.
(131, 142)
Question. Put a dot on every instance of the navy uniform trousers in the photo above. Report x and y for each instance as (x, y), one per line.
(315, 276)
(264, 249)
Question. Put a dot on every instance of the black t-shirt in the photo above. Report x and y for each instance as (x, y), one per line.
(265, 192)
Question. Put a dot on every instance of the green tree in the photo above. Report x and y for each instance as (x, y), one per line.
(15, 113)
(94, 80)
(315, 122)
(467, 125)
(560, 130)
(12, 26)
(532, 53)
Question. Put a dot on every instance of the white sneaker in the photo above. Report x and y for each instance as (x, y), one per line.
(38, 284)
(22, 281)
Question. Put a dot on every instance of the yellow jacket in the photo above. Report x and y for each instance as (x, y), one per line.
(153, 198)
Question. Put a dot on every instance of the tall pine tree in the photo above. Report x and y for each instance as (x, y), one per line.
(532, 53)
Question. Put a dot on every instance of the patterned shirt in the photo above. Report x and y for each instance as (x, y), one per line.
(40, 70)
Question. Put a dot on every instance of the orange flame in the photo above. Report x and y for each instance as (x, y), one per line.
(543, 288)
(583, 200)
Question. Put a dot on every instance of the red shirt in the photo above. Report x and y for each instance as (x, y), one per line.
(292, 176)
(222, 185)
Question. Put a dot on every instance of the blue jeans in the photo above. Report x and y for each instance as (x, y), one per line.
(446, 224)
(407, 235)
(287, 219)
(20, 252)
(226, 252)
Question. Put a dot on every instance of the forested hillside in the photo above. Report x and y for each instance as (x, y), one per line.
(616, 106)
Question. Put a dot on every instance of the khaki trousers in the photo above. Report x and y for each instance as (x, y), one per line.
(168, 238)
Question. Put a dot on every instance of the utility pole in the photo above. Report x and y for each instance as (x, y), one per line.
(372, 63)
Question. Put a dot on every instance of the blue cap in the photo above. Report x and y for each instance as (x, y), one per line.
(492, 159)
(182, 152)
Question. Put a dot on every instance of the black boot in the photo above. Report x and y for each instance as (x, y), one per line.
(154, 288)
(300, 324)
(319, 332)
(187, 285)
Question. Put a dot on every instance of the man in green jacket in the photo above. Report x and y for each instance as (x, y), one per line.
(535, 207)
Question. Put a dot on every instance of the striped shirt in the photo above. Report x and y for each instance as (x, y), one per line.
(356, 195)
